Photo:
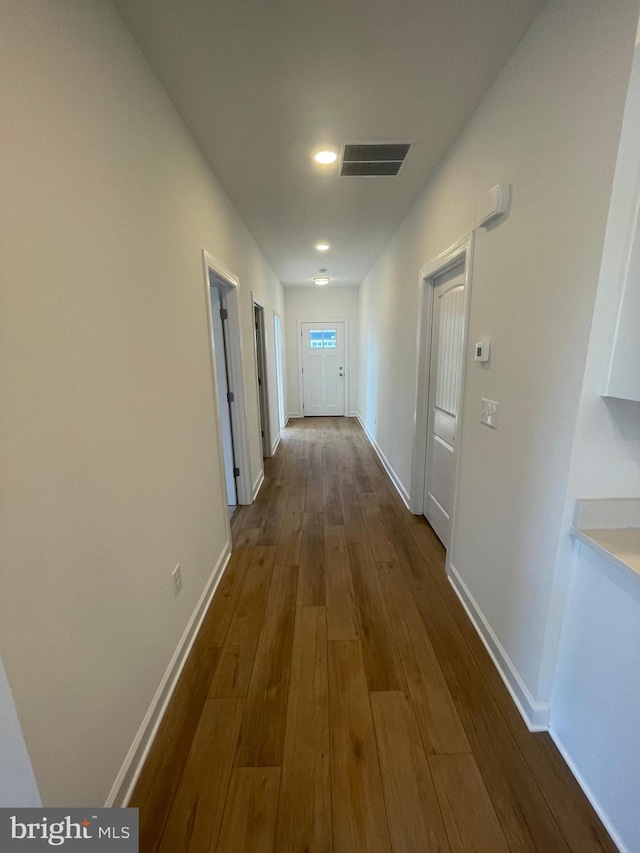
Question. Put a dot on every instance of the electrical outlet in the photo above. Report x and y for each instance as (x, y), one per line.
(489, 413)
(176, 577)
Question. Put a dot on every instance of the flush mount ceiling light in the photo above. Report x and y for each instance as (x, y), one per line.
(322, 247)
(321, 280)
(325, 157)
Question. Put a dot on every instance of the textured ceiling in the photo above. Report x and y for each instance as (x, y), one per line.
(262, 83)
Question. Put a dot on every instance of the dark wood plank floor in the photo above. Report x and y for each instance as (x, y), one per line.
(337, 697)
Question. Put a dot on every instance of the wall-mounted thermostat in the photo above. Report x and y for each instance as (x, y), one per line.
(493, 204)
(482, 351)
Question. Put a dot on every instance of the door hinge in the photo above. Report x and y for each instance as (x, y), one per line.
(224, 314)
(230, 397)
(259, 381)
(262, 432)
(303, 369)
(236, 472)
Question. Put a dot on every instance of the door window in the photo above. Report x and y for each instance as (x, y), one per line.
(322, 338)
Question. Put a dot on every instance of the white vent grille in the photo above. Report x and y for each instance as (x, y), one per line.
(373, 159)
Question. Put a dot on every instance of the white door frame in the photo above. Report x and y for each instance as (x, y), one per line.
(280, 378)
(229, 283)
(346, 360)
(460, 252)
(264, 412)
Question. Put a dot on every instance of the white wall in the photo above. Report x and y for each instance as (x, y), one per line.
(17, 783)
(109, 463)
(550, 127)
(596, 698)
(596, 690)
(320, 303)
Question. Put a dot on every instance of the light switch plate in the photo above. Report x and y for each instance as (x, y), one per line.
(483, 349)
(489, 413)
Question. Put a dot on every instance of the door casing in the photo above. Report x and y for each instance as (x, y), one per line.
(215, 272)
(278, 337)
(460, 252)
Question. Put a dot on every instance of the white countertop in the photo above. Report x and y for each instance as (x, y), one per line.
(611, 527)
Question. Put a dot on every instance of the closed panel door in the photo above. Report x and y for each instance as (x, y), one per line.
(445, 376)
(220, 346)
(261, 368)
(323, 368)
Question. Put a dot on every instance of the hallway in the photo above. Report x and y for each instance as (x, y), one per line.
(337, 696)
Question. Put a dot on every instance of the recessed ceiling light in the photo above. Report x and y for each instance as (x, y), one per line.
(322, 247)
(325, 157)
(320, 280)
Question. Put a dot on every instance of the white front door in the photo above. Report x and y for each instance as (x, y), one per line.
(323, 368)
(445, 376)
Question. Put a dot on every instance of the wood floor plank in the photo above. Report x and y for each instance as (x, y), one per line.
(523, 813)
(359, 816)
(471, 821)
(215, 624)
(195, 817)
(381, 658)
(304, 811)
(311, 583)
(314, 458)
(290, 540)
(361, 480)
(236, 661)
(395, 624)
(313, 496)
(438, 720)
(249, 821)
(379, 539)
(244, 537)
(415, 821)
(162, 771)
(342, 614)
(332, 500)
(262, 734)
(273, 519)
(408, 553)
(354, 528)
(581, 827)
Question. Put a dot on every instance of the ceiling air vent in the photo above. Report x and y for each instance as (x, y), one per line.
(363, 159)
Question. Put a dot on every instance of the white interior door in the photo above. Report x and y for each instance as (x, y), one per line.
(261, 368)
(222, 384)
(445, 376)
(323, 368)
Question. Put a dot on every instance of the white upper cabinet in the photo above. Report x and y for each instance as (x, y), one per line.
(623, 379)
(621, 257)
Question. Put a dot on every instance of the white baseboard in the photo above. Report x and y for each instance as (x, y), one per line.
(404, 494)
(597, 806)
(130, 771)
(257, 484)
(353, 415)
(293, 415)
(535, 714)
(275, 444)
